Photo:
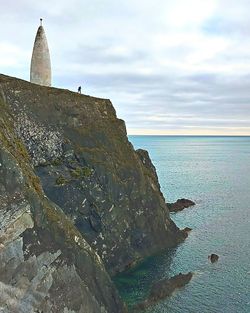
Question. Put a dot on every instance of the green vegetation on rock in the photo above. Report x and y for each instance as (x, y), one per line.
(57, 162)
(81, 172)
(61, 181)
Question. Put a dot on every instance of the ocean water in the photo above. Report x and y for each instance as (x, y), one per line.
(215, 173)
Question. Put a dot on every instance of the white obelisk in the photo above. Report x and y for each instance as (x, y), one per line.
(40, 69)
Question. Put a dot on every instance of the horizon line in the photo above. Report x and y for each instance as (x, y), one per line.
(187, 135)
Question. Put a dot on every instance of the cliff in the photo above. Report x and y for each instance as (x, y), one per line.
(75, 200)
(46, 265)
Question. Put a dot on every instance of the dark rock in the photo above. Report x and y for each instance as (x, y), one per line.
(164, 288)
(76, 201)
(186, 231)
(46, 265)
(95, 221)
(180, 205)
(80, 140)
(213, 258)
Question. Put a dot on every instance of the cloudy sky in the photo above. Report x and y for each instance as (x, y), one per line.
(169, 66)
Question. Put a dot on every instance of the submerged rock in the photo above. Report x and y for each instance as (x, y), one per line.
(180, 205)
(164, 288)
(213, 257)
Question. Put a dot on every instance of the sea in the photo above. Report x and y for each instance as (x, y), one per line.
(215, 173)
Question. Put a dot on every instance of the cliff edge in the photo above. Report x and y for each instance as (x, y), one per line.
(99, 201)
(46, 264)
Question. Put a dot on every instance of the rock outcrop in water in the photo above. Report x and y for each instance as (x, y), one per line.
(164, 288)
(180, 205)
(213, 258)
(75, 200)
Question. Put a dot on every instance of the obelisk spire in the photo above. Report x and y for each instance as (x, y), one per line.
(40, 69)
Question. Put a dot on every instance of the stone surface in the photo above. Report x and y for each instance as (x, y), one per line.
(88, 167)
(40, 68)
(187, 229)
(180, 205)
(164, 288)
(213, 258)
(46, 265)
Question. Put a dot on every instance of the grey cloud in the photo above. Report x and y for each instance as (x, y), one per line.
(102, 53)
(152, 84)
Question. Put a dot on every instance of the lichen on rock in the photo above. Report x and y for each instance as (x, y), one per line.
(43, 144)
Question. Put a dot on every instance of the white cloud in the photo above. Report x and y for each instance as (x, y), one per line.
(184, 61)
(191, 13)
(11, 56)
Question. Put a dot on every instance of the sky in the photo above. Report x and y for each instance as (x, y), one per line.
(169, 67)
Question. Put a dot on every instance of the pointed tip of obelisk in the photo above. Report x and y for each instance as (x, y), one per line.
(40, 29)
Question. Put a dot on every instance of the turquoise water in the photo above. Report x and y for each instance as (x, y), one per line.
(215, 173)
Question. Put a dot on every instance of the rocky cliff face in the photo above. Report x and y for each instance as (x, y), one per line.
(46, 265)
(90, 173)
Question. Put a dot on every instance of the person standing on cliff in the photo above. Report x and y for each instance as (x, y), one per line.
(79, 89)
